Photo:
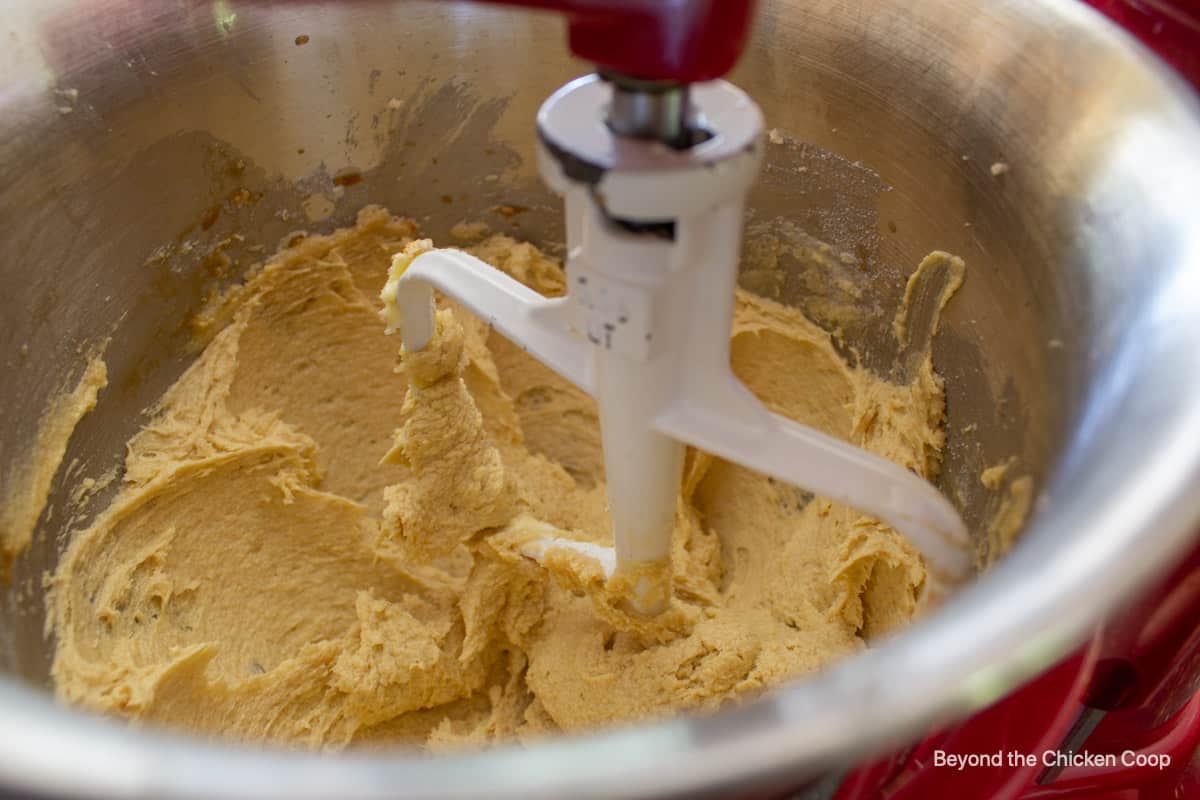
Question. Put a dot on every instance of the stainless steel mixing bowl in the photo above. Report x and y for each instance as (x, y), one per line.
(148, 149)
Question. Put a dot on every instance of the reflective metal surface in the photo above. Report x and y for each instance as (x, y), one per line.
(656, 112)
(148, 149)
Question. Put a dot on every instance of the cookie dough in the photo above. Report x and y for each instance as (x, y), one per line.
(315, 541)
(26, 489)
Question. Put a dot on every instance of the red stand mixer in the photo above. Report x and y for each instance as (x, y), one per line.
(117, 110)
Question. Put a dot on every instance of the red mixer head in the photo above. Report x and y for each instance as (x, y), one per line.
(679, 41)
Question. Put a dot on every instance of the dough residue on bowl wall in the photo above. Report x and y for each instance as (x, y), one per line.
(26, 488)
